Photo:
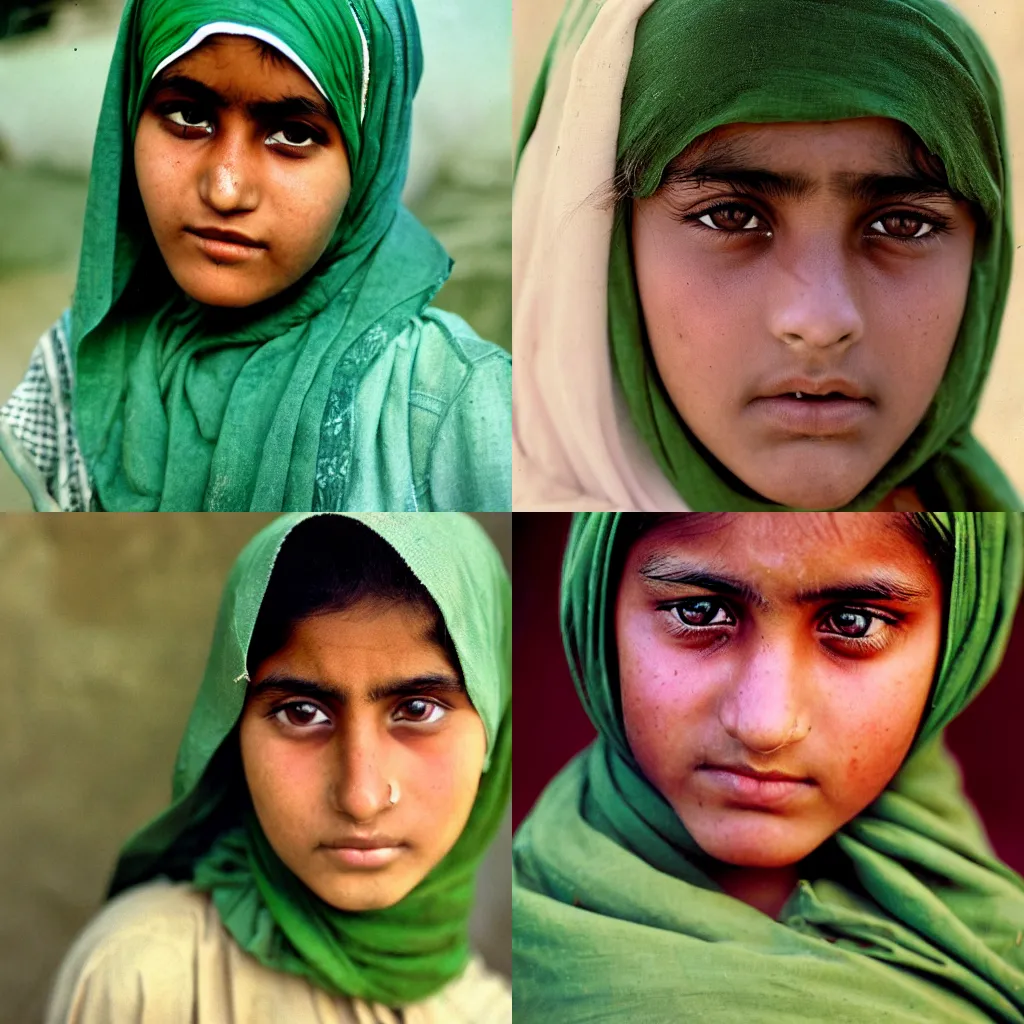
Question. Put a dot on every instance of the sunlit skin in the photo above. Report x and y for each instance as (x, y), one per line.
(233, 141)
(801, 644)
(755, 287)
(355, 703)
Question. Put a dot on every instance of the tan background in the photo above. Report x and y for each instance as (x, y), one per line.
(1000, 422)
(105, 625)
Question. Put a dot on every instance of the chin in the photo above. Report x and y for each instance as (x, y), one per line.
(361, 895)
(772, 843)
(809, 486)
(212, 293)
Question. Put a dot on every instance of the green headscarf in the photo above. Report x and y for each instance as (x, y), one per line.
(210, 833)
(911, 919)
(701, 64)
(181, 406)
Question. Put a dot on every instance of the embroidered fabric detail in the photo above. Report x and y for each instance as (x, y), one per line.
(334, 460)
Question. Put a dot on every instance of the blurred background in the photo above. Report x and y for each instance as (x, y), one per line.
(1000, 23)
(105, 626)
(985, 739)
(54, 56)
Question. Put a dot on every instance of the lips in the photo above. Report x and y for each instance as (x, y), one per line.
(232, 237)
(226, 247)
(748, 788)
(369, 852)
(813, 408)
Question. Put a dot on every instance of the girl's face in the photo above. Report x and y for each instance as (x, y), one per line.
(802, 287)
(242, 171)
(774, 669)
(358, 707)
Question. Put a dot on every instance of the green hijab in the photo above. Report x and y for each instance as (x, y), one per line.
(910, 917)
(701, 64)
(180, 406)
(210, 834)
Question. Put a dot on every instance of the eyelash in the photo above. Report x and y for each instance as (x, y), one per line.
(939, 224)
(714, 631)
(309, 726)
(198, 113)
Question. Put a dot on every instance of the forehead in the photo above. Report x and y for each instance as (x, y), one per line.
(866, 145)
(241, 67)
(776, 546)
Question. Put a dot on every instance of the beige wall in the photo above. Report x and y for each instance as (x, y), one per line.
(105, 624)
(1000, 423)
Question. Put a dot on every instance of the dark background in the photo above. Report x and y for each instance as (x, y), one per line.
(551, 726)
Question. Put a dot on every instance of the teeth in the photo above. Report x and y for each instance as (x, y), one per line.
(799, 394)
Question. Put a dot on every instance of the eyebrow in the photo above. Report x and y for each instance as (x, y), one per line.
(726, 164)
(280, 685)
(880, 586)
(258, 110)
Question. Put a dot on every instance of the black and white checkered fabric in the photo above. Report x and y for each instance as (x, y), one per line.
(39, 416)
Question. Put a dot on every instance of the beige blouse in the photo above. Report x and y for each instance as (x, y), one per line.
(159, 954)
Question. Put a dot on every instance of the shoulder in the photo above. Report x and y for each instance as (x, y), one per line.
(468, 382)
(450, 357)
(138, 950)
(478, 996)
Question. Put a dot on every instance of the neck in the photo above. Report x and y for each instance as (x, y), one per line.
(764, 889)
(903, 499)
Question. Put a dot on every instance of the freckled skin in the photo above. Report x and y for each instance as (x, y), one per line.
(776, 691)
(291, 198)
(314, 783)
(727, 314)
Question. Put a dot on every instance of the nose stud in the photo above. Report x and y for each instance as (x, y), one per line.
(392, 793)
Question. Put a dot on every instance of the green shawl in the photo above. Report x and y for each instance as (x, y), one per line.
(183, 407)
(700, 64)
(914, 920)
(210, 834)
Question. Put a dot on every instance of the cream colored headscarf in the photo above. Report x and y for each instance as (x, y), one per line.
(574, 447)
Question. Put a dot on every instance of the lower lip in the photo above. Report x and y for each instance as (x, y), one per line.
(817, 417)
(227, 252)
(750, 792)
(352, 857)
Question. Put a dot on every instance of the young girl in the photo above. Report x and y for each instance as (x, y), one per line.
(768, 826)
(250, 328)
(346, 764)
(761, 258)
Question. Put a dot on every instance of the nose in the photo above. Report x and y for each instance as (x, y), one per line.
(228, 176)
(359, 787)
(764, 708)
(814, 306)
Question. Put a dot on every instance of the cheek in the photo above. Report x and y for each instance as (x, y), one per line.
(664, 696)
(309, 203)
(699, 315)
(873, 734)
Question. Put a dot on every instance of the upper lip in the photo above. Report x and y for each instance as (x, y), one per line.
(756, 773)
(219, 235)
(372, 842)
(812, 386)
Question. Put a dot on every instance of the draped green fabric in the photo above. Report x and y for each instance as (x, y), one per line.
(184, 407)
(701, 64)
(211, 836)
(907, 917)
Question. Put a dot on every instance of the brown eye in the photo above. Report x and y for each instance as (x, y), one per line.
(700, 612)
(299, 714)
(419, 711)
(849, 623)
(903, 225)
(731, 218)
